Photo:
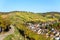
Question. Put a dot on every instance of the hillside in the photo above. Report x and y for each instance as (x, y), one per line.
(20, 18)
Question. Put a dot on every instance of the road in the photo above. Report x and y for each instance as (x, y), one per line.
(11, 31)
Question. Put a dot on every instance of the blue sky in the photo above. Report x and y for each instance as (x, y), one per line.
(30, 5)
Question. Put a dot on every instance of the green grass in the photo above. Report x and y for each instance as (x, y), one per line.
(15, 36)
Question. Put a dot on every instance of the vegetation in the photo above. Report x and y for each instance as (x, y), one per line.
(4, 22)
(18, 19)
(15, 36)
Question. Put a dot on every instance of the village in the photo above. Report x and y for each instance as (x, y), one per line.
(45, 28)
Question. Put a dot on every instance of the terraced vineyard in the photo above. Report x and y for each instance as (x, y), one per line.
(20, 18)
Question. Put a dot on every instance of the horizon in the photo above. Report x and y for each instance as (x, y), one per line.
(28, 11)
(36, 6)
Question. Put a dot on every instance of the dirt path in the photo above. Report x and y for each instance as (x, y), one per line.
(2, 36)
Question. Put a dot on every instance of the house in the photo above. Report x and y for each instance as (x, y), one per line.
(57, 38)
(57, 34)
(52, 29)
(39, 31)
(45, 28)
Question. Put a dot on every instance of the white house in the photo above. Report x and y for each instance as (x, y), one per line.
(57, 38)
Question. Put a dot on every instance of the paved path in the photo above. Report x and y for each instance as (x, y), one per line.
(2, 36)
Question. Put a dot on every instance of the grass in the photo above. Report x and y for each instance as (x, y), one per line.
(15, 36)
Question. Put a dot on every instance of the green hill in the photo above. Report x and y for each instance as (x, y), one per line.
(19, 18)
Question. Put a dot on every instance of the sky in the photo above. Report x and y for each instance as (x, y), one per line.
(30, 5)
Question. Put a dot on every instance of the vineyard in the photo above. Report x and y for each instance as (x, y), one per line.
(20, 18)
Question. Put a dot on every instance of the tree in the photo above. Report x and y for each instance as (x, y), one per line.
(4, 23)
